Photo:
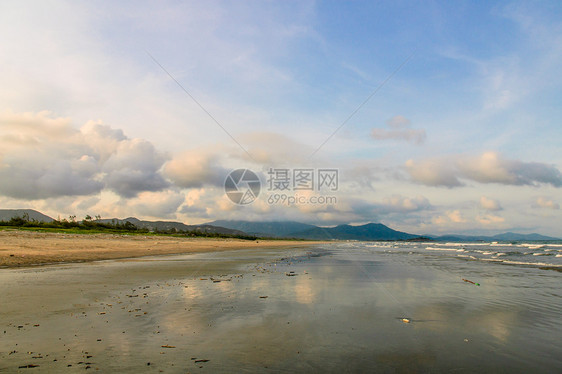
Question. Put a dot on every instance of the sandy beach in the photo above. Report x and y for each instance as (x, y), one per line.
(326, 308)
(26, 248)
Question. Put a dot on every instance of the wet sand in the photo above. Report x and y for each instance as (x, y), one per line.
(324, 309)
(26, 248)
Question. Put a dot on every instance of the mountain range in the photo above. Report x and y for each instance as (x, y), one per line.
(289, 229)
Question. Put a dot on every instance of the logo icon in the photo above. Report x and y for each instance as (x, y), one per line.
(242, 186)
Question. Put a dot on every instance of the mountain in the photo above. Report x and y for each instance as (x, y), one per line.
(370, 231)
(507, 236)
(276, 229)
(522, 237)
(7, 214)
(168, 225)
(288, 229)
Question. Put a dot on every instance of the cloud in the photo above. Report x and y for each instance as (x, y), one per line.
(489, 204)
(455, 216)
(134, 167)
(450, 216)
(489, 167)
(42, 156)
(163, 204)
(274, 149)
(398, 122)
(433, 172)
(195, 169)
(490, 219)
(545, 203)
(398, 203)
(399, 131)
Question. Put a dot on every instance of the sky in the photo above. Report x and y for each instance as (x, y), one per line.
(439, 117)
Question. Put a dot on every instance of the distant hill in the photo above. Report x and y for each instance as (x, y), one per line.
(508, 236)
(168, 225)
(7, 214)
(276, 229)
(370, 231)
(522, 237)
(288, 229)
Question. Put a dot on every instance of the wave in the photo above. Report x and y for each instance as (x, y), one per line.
(525, 263)
(441, 249)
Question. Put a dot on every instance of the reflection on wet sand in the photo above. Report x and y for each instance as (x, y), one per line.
(322, 310)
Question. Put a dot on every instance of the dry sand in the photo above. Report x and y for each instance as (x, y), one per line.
(26, 248)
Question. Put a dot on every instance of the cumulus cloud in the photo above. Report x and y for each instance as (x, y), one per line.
(42, 156)
(489, 167)
(399, 131)
(489, 219)
(398, 122)
(163, 204)
(275, 149)
(134, 167)
(433, 172)
(450, 216)
(400, 203)
(489, 204)
(195, 169)
(546, 203)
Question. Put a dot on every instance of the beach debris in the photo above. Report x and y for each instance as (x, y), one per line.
(406, 320)
(202, 360)
(28, 366)
(291, 274)
(466, 340)
(168, 346)
(471, 282)
(263, 297)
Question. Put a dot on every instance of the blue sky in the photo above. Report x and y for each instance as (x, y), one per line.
(463, 138)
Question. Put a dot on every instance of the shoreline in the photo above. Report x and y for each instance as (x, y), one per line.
(19, 248)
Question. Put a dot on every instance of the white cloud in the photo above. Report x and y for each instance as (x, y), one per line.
(195, 169)
(405, 204)
(416, 136)
(456, 216)
(51, 158)
(546, 203)
(489, 167)
(162, 204)
(490, 219)
(134, 167)
(433, 172)
(450, 216)
(489, 204)
(399, 131)
(398, 122)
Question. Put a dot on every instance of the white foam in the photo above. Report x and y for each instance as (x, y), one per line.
(534, 246)
(441, 249)
(531, 263)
